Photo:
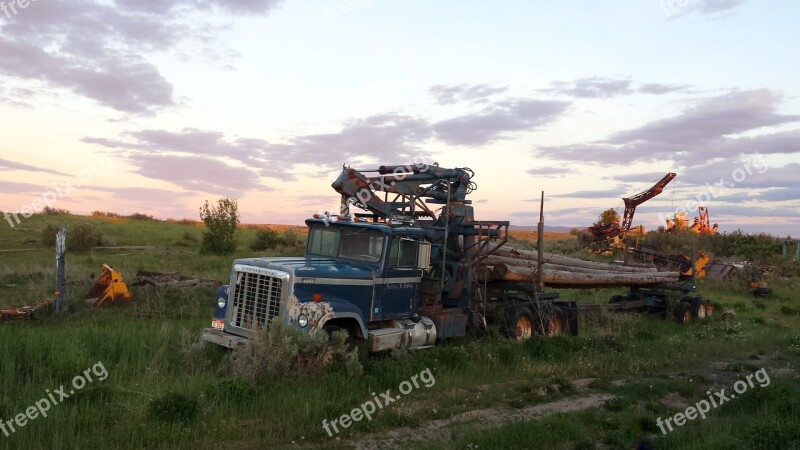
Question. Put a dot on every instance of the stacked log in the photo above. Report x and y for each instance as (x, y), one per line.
(512, 264)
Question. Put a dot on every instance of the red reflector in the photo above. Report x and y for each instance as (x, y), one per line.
(317, 298)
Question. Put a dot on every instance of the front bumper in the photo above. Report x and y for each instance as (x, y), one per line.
(223, 338)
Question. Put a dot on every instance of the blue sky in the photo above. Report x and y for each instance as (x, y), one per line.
(264, 100)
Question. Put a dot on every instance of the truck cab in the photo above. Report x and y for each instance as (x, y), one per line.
(362, 277)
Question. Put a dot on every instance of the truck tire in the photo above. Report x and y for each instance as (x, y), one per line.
(331, 328)
(685, 312)
(552, 322)
(699, 305)
(519, 323)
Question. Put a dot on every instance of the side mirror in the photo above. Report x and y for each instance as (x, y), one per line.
(423, 255)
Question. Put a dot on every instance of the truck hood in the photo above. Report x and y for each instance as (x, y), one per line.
(313, 267)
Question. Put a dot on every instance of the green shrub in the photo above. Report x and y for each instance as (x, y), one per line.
(266, 238)
(81, 235)
(173, 408)
(234, 391)
(141, 216)
(108, 214)
(52, 211)
(285, 350)
(221, 221)
(753, 247)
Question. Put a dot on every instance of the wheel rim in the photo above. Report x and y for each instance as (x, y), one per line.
(556, 326)
(701, 312)
(524, 328)
(687, 316)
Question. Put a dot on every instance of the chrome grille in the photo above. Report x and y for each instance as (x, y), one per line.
(256, 300)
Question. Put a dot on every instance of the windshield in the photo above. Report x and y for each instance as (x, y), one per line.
(358, 244)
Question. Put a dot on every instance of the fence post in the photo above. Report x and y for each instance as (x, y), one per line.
(61, 250)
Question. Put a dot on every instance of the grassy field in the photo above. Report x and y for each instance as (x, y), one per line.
(605, 388)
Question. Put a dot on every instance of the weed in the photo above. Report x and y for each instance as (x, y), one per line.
(284, 350)
(172, 407)
(233, 391)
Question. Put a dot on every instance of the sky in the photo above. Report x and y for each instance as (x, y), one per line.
(154, 106)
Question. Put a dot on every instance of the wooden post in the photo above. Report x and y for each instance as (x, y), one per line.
(61, 250)
(540, 249)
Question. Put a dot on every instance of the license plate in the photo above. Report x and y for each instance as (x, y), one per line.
(218, 324)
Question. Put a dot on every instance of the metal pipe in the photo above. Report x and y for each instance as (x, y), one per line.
(446, 232)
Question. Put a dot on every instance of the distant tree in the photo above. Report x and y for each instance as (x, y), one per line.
(222, 222)
(608, 217)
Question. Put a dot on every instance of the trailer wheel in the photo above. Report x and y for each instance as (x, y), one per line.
(552, 322)
(519, 323)
(699, 305)
(685, 312)
(616, 298)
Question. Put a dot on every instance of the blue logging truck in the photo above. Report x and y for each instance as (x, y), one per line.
(404, 273)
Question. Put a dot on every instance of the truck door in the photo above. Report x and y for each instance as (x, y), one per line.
(401, 280)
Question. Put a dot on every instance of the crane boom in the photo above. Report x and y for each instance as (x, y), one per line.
(632, 202)
(607, 232)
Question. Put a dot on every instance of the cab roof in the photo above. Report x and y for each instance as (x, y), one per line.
(381, 227)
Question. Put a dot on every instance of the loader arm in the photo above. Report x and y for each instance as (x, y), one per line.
(632, 202)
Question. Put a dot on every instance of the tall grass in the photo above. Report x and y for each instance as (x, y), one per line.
(142, 345)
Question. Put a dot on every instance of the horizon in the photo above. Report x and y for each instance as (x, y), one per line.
(137, 107)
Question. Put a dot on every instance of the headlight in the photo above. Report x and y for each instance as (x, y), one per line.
(302, 320)
(221, 302)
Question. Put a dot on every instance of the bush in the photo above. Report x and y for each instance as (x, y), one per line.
(290, 238)
(234, 391)
(752, 247)
(285, 350)
(105, 214)
(140, 216)
(81, 236)
(266, 238)
(172, 407)
(51, 211)
(222, 221)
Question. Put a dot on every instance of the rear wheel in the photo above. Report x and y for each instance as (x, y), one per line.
(552, 322)
(685, 312)
(699, 308)
(616, 298)
(519, 323)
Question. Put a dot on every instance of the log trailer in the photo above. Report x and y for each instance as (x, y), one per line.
(401, 274)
